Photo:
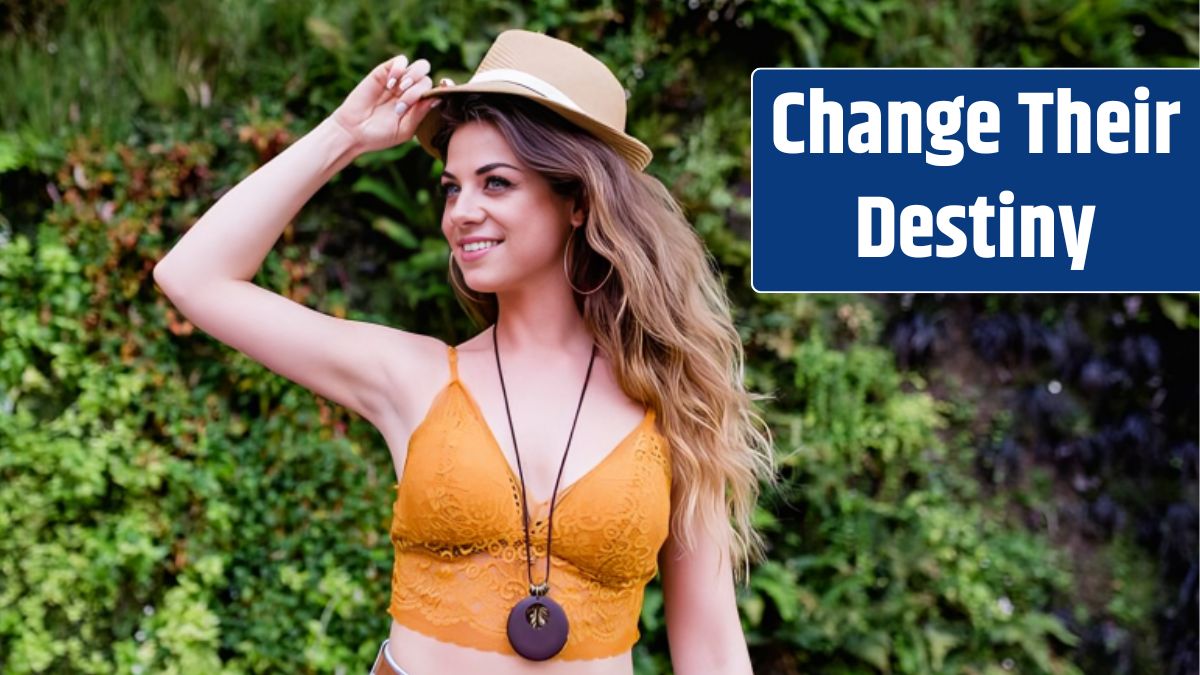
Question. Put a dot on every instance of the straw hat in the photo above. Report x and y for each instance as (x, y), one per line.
(556, 74)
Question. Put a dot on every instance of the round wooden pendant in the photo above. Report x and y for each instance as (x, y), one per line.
(537, 628)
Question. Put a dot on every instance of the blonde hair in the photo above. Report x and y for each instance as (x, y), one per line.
(663, 318)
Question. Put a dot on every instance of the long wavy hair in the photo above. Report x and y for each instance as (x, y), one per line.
(663, 318)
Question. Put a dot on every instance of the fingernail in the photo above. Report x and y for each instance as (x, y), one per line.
(446, 82)
(405, 83)
(436, 103)
(401, 106)
(391, 82)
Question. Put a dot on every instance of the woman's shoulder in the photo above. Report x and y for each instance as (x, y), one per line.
(479, 342)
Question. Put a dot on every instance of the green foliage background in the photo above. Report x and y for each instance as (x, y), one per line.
(168, 505)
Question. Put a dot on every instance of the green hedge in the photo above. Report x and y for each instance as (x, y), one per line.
(168, 505)
(173, 505)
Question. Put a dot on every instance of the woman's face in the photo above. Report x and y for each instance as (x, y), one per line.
(490, 194)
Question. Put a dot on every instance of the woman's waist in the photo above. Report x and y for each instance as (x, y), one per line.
(420, 654)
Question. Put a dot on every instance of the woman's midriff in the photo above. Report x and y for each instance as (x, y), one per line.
(419, 654)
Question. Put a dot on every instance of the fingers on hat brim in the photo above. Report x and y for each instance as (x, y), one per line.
(439, 89)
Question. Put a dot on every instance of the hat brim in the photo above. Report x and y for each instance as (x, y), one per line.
(633, 151)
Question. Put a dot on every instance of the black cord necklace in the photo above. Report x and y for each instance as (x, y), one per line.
(537, 625)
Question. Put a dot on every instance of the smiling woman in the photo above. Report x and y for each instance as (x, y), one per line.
(505, 211)
(607, 363)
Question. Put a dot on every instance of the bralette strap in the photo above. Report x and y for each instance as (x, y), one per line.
(453, 363)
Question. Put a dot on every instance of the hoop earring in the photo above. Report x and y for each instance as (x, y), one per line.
(454, 282)
(567, 272)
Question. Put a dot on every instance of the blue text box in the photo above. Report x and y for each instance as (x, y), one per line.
(1100, 220)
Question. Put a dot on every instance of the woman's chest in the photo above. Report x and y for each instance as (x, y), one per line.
(457, 492)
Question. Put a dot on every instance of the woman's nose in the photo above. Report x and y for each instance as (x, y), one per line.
(465, 209)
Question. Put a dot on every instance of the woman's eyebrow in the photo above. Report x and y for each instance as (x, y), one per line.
(483, 169)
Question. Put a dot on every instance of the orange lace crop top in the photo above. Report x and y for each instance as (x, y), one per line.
(458, 534)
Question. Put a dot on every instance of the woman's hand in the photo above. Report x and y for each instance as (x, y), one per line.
(383, 111)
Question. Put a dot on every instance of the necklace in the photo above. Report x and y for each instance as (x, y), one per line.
(537, 625)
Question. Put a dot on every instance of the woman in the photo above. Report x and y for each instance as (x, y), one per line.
(625, 443)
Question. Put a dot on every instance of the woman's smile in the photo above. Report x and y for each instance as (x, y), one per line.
(475, 250)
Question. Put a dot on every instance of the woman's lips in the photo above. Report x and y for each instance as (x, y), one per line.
(468, 256)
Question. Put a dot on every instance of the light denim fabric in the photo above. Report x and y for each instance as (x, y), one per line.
(383, 654)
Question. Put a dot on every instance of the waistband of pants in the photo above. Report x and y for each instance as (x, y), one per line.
(384, 665)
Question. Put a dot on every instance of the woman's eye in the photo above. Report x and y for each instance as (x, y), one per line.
(450, 189)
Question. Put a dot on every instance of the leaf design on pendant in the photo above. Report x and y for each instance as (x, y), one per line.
(537, 615)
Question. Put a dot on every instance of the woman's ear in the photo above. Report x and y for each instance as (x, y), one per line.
(580, 207)
(579, 213)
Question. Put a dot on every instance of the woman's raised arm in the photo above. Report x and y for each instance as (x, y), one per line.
(207, 275)
(231, 240)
